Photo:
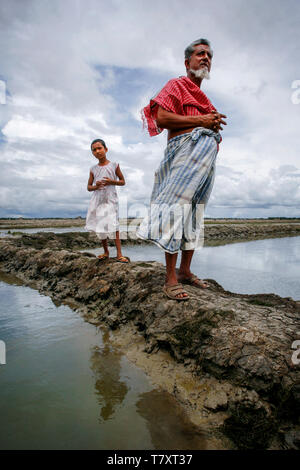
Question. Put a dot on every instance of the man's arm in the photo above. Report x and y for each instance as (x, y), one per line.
(172, 121)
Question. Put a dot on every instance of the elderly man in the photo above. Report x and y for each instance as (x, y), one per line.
(184, 179)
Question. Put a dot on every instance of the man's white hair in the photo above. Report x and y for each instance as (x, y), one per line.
(191, 48)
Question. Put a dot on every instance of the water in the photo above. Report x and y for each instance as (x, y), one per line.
(64, 387)
(262, 266)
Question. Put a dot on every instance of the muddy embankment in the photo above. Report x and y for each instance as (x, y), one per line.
(240, 232)
(215, 234)
(226, 357)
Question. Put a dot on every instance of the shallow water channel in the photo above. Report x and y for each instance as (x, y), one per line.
(64, 387)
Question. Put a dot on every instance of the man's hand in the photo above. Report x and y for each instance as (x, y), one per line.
(176, 123)
(213, 121)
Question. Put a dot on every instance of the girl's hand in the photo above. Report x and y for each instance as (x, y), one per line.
(99, 184)
(106, 181)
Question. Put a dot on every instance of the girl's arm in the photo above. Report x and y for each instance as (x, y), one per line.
(120, 182)
(119, 174)
(90, 186)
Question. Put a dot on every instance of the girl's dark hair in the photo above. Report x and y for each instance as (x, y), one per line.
(100, 141)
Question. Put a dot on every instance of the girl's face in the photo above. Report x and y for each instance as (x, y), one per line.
(99, 151)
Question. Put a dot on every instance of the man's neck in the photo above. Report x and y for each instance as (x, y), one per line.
(194, 79)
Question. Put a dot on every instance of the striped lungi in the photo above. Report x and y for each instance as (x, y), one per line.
(182, 186)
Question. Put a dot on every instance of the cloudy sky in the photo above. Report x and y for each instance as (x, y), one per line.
(73, 70)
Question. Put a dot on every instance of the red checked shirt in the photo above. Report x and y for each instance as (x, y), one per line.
(180, 96)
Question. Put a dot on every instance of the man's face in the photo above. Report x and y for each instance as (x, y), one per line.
(200, 58)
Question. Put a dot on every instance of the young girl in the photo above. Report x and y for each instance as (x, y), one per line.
(102, 216)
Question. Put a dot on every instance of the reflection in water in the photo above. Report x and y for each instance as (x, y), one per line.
(64, 387)
(168, 425)
(110, 390)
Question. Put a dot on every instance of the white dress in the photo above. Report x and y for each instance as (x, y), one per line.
(103, 211)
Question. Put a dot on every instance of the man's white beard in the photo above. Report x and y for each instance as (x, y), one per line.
(201, 73)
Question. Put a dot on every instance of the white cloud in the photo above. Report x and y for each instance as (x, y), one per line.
(27, 128)
(64, 66)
